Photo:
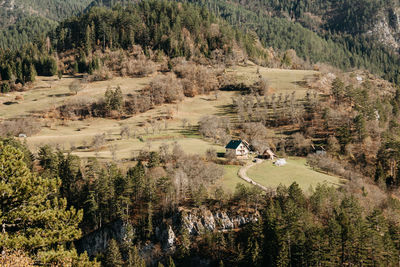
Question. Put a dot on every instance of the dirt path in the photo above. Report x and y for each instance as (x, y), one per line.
(243, 174)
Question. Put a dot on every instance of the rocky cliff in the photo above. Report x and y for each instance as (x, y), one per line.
(195, 221)
(386, 28)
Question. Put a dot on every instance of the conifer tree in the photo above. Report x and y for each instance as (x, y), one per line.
(338, 89)
(117, 99)
(183, 249)
(113, 255)
(123, 190)
(33, 218)
(136, 174)
(170, 262)
(88, 40)
(134, 259)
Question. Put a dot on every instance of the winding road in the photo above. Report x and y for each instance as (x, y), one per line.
(243, 174)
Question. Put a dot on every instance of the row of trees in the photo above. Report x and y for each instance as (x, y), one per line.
(326, 228)
(106, 193)
(22, 66)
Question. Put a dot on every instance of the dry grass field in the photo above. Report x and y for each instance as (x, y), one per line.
(280, 80)
(147, 133)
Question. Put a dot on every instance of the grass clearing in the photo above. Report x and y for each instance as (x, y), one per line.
(296, 170)
(230, 179)
(280, 80)
(49, 92)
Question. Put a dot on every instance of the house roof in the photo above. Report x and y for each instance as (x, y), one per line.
(233, 144)
(269, 152)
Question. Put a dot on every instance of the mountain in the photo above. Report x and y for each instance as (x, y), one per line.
(345, 34)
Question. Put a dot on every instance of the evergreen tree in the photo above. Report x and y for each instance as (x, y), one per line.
(183, 249)
(154, 160)
(134, 259)
(170, 262)
(123, 190)
(360, 125)
(117, 99)
(29, 73)
(88, 40)
(113, 255)
(32, 216)
(136, 174)
(7, 73)
(108, 99)
(5, 88)
(338, 89)
(49, 161)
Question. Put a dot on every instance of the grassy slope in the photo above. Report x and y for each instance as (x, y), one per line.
(78, 133)
(295, 170)
(230, 179)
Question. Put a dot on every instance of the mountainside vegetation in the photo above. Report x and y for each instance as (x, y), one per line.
(21, 21)
(170, 30)
(117, 157)
(279, 24)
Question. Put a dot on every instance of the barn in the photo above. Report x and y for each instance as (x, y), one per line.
(240, 148)
(268, 154)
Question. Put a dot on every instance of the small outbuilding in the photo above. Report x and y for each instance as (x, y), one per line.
(240, 148)
(268, 154)
(22, 135)
(280, 162)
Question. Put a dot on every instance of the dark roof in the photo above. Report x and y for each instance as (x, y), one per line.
(233, 144)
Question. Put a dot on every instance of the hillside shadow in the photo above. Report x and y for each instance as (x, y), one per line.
(190, 131)
(235, 88)
(59, 95)
(207, 99)
(302, 84)
(8, 103)
(224, 110)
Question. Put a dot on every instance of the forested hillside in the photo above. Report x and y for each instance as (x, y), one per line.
(117, 157)
(171, 29)
(329, 39)
(338, 34)
(22, 20)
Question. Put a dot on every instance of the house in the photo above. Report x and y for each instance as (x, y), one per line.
(268, 154)
(240, 148)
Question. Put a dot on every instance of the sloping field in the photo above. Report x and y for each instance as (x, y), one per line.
(295, 170)
(147, 130)
(280, 80)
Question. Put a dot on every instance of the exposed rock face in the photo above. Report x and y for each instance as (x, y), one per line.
(168, 239)
(196, 221)
(97, 241)
(386, 28)
(199, 221)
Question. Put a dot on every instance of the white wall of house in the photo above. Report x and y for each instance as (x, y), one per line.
(242, 150)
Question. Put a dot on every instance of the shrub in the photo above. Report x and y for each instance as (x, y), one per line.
(5, 88)
(18, 126)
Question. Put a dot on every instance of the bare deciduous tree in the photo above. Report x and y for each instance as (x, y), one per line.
(125, 132)
(75, 86)
(99, 140)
